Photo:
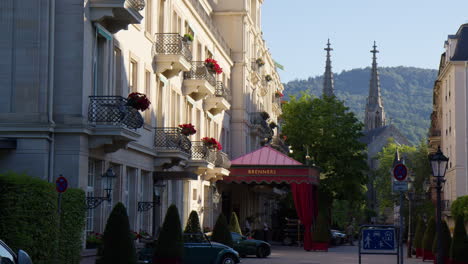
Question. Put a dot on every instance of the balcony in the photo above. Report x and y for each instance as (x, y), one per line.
(172, 54)
(199, 81)
(264, 86)
(277, 105)
(220, 101)
(280, 145)
(172, 146)
(202, 159)
(115, 15)
(260, 126)
(256, 72)
(446, 205)
(112, 122)
(221, 169)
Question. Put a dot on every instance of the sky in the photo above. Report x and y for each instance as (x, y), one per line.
(407, 32)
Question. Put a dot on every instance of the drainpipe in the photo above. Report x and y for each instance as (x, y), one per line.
(50, 91)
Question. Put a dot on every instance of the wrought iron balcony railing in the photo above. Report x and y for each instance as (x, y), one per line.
(199, 71)
(201, 152)
(171, 138)
(172, 44)
(257, 119)
(222, 160)
(222, 91)
(114, 111)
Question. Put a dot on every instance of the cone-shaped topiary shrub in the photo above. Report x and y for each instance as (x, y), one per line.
(459, 247)
(170, 243)
(418, 236)
(193, 224)
(118, 246)
(221, 233)
(446, 240)
(234, 224)
(321, 232)
(429, 234)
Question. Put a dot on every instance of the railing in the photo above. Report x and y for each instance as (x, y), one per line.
(257, 119)
(222, 160)
(201, 152)
(446, 204)
(199, 71)
(209, 23)
(222, 91)
(136, 4)
(279, 144)
(171, 138)
(172, 44)
(114, 111)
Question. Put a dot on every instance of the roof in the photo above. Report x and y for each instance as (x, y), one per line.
(461, 50)
(265, 156)
(369, 136)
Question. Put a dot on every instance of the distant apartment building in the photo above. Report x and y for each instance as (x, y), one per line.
(69, 66)
(449, 117)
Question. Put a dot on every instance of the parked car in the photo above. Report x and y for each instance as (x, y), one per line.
(198, 249)
(7, 256)
(337, 237)
(246, 246)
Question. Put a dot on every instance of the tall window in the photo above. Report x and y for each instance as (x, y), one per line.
(146, 194)
(133, 76)
(148, 94)
(159, 105)
(90, 193)
(161, 16)
(130, 195)
(148, 16)
(118, 71)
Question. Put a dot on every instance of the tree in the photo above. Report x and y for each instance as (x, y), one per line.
(193, 224)
(118, 246)
(429, 234)
(458, 249)
(170, 244)
(234, 224)
(331, 133)
(460, 207)
(418, 236)
(446, 240)
(221, 232)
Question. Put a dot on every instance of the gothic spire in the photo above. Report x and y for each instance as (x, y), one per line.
(328, 87)
(375, 115)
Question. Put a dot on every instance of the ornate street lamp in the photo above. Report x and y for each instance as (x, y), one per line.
(439, 164)
(158, 190)
(108, 178)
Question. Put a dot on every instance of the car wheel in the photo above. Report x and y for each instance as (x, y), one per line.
(228, 259)
(262, 252)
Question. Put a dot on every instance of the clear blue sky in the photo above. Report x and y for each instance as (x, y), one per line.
(408, 32)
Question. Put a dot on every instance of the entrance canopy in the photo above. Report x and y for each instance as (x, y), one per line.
(267, 165)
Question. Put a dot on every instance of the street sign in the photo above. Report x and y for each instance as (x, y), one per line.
(400, 172)
(61, 184)
(378, 240)
(400, 186)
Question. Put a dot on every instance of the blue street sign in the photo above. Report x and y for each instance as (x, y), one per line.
(61, 184)
(378, 239)
(400, 171)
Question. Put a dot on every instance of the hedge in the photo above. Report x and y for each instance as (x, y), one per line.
(221, 233)
(418, 237)
(170, 244)
(458, 249)
(29, 219)
(446, 240)
(460, 207)
(234, 224)
(429, 234)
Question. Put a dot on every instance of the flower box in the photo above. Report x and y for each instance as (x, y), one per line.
(138, 101)
(260, 62)
(187, 38)
(213, 66)
(278, 94)
(187, 129)
(212, 143)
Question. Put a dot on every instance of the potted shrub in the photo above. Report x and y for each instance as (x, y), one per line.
(212, 143)
(268, 78)
(169, 248)
(187, 38)
(234, 224)
(187, 129)
(221, 232)
(93, 240)
(138, 101)
(260, 62)
(458, 249)
(213, 66)
(418, 237)
(428, 238)
(321, 234)
(193, 228)
(445, 243)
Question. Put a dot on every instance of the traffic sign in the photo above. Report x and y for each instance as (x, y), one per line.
(400, 186)
(61, 184)
(378, 239)
(400, 172)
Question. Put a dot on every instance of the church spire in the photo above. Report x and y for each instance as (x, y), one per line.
(328, 87)
(375, 115)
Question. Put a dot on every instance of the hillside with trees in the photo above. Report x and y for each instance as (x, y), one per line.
(406, 93)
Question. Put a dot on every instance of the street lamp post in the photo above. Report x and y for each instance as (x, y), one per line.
(410, 194)
(108, 178)
(439, 164)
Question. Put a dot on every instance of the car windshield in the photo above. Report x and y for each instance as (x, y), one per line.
(5, 253)
(195, 238)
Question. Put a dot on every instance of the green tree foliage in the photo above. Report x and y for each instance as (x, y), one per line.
(321, 231)
(429, 234)
(118, 246)
(221, 233)
(460, 207)
(331, 133)
(406, 92)
(234, 224)
(170, 244)
(446, 240)
(193, 224)
(418, 236)
(459, 247)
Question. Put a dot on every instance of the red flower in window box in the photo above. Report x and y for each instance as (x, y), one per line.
(278, 94)
(212, 143)
(138, 101)
(213, 66)
(188, 129)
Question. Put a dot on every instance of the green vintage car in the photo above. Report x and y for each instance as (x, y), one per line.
(198, 250)
(246, 246)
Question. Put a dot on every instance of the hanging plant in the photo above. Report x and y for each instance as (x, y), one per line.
(138, 101)
(212, 143)
(187, 38)
(260, 62)
(213, 66)
(268, 78)
(188, 129)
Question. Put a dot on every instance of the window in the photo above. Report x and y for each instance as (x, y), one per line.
(146, 195)
(130, 195)
(102, 52)
(118, 71)
(148, 94)
(133, 76)
(148, 16)
(194, 194)
(159, 105)
(161, 16)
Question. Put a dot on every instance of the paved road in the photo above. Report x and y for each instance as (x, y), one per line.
(335, 255)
